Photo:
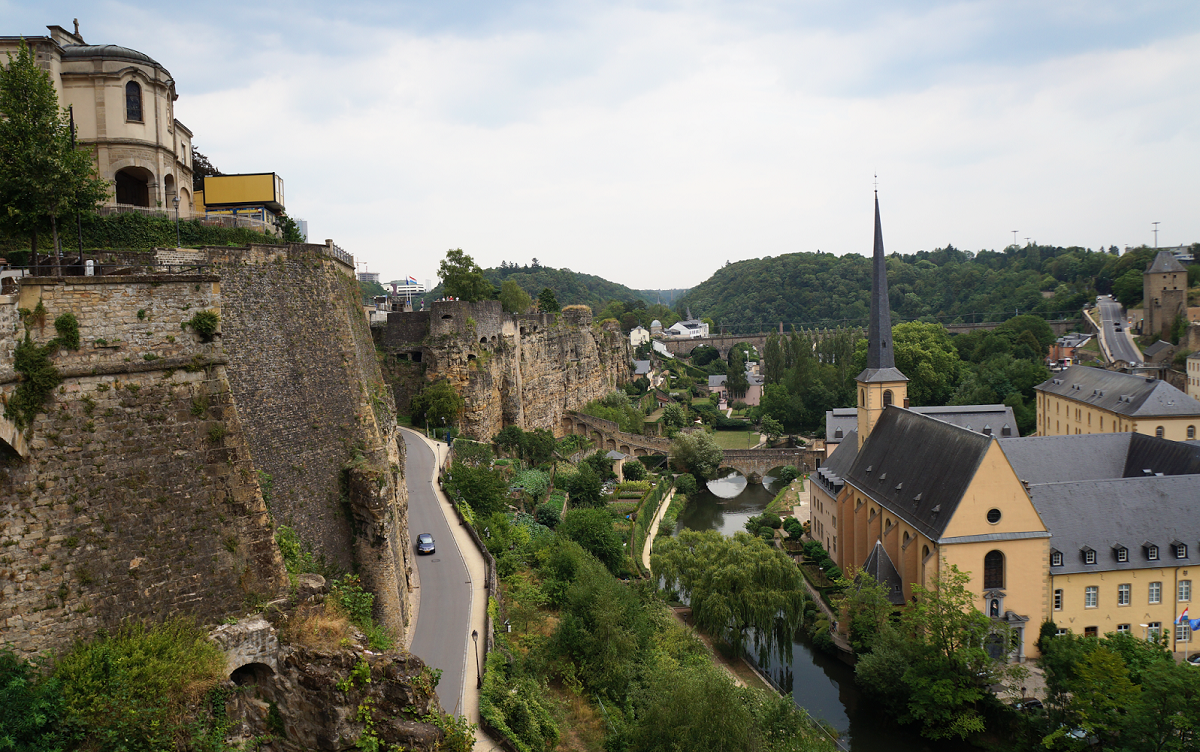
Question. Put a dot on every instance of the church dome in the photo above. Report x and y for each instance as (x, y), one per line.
(109, 51)
(657, 323)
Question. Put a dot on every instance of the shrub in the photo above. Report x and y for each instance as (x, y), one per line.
(357, 604)
(547, 514)
(67, 327)
(634, 471)
(686, 484)
(766, 533)
(204, 323)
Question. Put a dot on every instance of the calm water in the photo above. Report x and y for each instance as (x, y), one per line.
(819, 683)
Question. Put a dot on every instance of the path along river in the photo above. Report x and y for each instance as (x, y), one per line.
(819, 683)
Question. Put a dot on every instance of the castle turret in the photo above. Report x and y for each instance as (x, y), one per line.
(881, 383)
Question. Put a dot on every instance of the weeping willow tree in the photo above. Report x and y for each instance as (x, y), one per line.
(734, 585)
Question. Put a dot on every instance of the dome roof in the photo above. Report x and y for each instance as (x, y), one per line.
(111, 51)
(657, 323)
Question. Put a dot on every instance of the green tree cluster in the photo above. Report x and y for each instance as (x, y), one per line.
(696, 452)
(435, 403)
(463, 279)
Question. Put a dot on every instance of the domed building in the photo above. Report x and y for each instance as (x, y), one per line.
(123, 103)
(655, 328)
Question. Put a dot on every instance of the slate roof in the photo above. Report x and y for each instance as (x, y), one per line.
(1161, 456)
(1165, 262)
(716, 381)
(879, 565)
(1047, 459)
(831, 474)
(1129, 512)
(112, 51)
(918, 467)
(975, 417)
(1121, 393)
(641, 367)
(1156, 348)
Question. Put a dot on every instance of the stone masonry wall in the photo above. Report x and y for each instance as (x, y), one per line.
(138, 497)
(304, 374)
(510, 370)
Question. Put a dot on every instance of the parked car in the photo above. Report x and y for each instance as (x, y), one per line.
(1194, 660)
(1029, 703)
(425, 544)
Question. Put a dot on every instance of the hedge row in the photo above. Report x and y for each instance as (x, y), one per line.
(134, 232)
(641, 527)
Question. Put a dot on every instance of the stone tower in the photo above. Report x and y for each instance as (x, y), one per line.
(1164, 294)
(881, 383)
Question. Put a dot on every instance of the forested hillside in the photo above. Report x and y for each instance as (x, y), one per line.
(569, 287)
(947, 285)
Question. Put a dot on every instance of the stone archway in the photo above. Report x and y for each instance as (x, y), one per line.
(133, 186)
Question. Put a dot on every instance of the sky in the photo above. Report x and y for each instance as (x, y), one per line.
(651, 142)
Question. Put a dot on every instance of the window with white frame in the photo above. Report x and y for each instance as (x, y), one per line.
(1124, 593)
(1154, 629)
(1185, 590)
(1122, 629)
(1056, 559)
(1155, 592)
(1089, 556)
(1180, 550)
(1058, 600)
(1091, 596)
(1183, 633)
(1122, 554)
(1060, 632)
(1152, 553)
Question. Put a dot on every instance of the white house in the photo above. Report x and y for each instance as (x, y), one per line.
(639, 335)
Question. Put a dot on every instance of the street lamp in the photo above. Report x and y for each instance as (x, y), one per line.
(176, 202)
(478, 670)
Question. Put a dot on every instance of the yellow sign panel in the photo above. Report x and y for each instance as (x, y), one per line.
(264, 189)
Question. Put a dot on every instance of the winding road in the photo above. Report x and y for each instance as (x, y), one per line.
(444, 617)
(1119, 343)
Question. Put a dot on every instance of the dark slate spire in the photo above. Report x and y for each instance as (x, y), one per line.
(881, 361)
(879, 333)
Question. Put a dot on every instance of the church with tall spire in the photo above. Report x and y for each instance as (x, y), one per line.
(1066, 529)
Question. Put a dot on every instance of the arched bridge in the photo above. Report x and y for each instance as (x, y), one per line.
(755, 463)
(723, 343)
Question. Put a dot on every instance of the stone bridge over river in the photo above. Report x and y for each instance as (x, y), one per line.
(751, 463)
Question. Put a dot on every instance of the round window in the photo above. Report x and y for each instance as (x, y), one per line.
(993, 516)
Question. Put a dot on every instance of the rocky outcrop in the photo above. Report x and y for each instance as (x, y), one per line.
(510, 370)
(298, 697)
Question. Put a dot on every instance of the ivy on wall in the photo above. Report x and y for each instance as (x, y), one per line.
(138, 232)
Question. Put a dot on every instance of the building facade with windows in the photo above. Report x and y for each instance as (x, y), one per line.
(1193, 375)
(1164, 294)
(123, 103)
(1083, 400)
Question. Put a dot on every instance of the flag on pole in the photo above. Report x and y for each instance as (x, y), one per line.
(411, 280)
(1183, 618)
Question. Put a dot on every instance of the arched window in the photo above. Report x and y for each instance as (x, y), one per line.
(1191, 434)
(1158, 432)
(862, 397)
(887, 397)
(133, 101)
(924, 552)
(993, 570)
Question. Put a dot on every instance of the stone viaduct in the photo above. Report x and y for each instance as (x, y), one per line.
(722, 342)
(751, 463)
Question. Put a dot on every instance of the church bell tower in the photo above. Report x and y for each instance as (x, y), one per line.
(881, 383)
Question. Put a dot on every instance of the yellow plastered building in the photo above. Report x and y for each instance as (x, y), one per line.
(1083, 400)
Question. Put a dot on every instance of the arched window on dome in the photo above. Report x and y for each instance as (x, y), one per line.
(133, 102)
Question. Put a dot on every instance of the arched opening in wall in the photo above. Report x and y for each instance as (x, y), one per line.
(887, 397)
(251, 673)
(446, 317)
(471, 357)
(993, 570)
(169, 192)
(185, 201)
(133, 102)
(522, 331)
(416, 356)
(483, 340)
(133, 186)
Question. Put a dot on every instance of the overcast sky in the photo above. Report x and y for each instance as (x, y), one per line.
(651, 142)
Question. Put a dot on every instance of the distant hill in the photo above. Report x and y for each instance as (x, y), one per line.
(947, 285)
(666, 297)
(570, 288)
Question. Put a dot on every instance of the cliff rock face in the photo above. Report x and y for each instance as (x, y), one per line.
(152, 481)
(510, 370)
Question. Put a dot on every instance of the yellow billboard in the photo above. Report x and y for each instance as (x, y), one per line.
(259, 189)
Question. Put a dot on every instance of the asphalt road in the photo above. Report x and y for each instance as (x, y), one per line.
(1118, 342)
(443, 620)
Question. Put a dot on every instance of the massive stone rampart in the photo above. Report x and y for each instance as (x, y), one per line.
(157, 473)
(523, 370)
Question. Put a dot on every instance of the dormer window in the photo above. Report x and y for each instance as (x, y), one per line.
(1122, 553)
(1056, 558)
(1152, 553)
(1089, 556)
(1180, 550)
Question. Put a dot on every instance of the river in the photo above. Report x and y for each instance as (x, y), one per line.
(818, 682)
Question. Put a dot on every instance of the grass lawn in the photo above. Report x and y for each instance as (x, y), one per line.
(735, 439)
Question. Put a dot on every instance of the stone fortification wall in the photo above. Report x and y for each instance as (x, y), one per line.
(511, 370)
(138, 495)
(317, 414)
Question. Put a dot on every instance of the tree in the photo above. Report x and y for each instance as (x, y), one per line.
(926, 356)
(736, 382)
(674, 415)
(290, 230)
(436, 403)
(462, 278)
(1128, 288)
(201, 168)
(733, 585)
(510, 439)
(512, 298)
(686, 484)
(482, 488)
(593, 529)
(864, 605)
(634, 470)
(584, 487)
(547, 303)
(42, 175)
(697, 453)
(537, 446)
(771, 427)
